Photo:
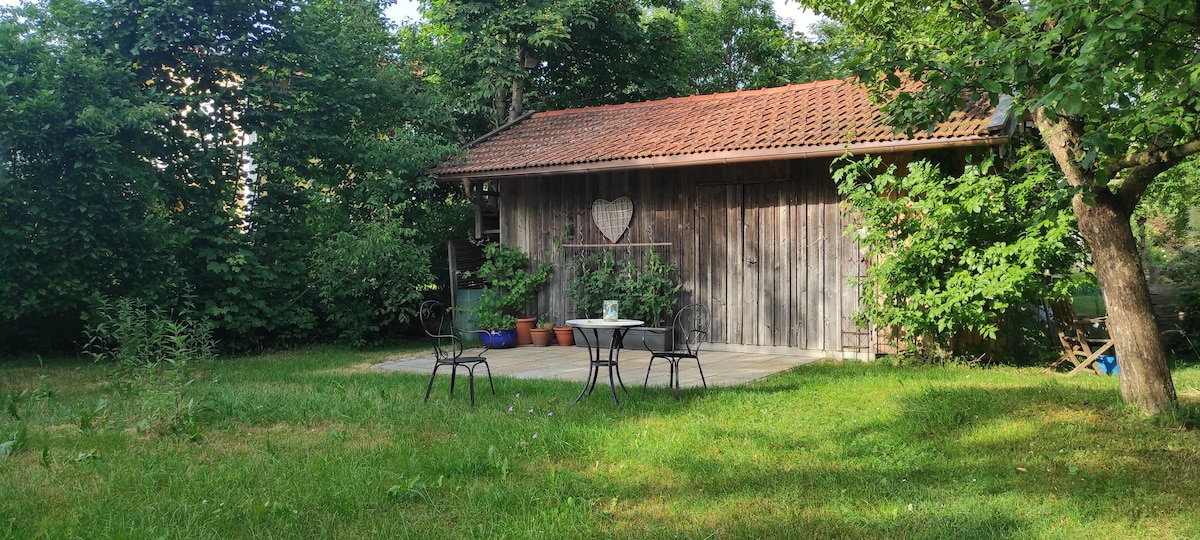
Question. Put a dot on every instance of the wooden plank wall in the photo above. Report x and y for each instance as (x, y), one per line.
(762, 244)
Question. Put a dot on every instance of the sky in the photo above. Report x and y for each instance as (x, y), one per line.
(787, 9)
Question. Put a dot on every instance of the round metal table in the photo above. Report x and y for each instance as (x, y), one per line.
(595, 350)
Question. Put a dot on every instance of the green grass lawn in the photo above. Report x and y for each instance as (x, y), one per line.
(315, 444)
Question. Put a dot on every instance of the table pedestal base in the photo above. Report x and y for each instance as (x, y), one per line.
(595, 362)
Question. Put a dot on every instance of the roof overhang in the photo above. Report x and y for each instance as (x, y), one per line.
(735, 156)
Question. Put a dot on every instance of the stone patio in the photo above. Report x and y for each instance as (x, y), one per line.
(721, 368)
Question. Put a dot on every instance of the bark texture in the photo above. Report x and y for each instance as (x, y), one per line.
(1145, 378)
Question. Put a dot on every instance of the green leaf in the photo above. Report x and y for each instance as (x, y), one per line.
(1088, 159)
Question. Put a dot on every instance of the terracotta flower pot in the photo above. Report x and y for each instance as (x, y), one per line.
(523, 328)
(564, 335)
(540, 336)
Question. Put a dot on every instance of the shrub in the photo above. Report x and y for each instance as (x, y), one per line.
(370, 278)
(953, 256)
(511, 284)
(592, 281)
(131, 333)
(647, 292)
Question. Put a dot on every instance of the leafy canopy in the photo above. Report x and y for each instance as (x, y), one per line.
(1127, 72)
(491, 59)
(1113, 88)
(253, 155)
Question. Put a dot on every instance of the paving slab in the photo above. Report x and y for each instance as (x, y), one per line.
(721, 368)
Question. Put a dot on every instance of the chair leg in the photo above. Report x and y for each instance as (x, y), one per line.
(471, 383)
(701, 374)
(647, 381)
(490, 383)
(675, 375)
(431, 376)
(453, 377)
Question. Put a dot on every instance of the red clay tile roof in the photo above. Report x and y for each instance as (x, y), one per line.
(808, 120)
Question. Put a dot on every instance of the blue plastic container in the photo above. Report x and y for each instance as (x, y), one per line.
(500, 339)
(1108, 364)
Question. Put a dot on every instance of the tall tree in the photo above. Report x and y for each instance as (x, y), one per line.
(494, 42)
(495, 59)
(345, 131)
(744, 45)
(123, 126)
(81, 208)
(1111, 86)
(626, 54)
(191, 58)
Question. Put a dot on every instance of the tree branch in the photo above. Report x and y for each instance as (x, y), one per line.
(1171, 155)
(1144, 167)
(991, 13)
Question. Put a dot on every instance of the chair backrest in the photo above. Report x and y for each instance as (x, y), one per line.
(433, 318)
(692, 324)
(1072, 327)
(433, 321)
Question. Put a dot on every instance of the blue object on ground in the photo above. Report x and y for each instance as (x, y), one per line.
(1108, 364)
(500, 339)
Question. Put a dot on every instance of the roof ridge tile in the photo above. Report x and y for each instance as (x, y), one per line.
(694, 97)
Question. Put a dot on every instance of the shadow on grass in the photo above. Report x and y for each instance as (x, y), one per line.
(948, 460)
(827, 450)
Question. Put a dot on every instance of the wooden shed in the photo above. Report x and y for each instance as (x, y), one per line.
(735, 189)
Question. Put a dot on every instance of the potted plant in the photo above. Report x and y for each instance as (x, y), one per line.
(511, 284)
(541, 334)
(500, 329)
(647, 293)
(591, 283)
(525, 327)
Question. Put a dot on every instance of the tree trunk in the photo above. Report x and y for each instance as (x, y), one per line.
(515, 106)
(1105, 225)
(516, 103)
(1145, 377)
(500, 104)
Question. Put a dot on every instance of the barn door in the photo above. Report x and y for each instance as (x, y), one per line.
(744, 262)
(766, 264)
(719, 258)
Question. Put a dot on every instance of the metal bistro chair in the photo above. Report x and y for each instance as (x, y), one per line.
(448, 349)
(691, 326)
